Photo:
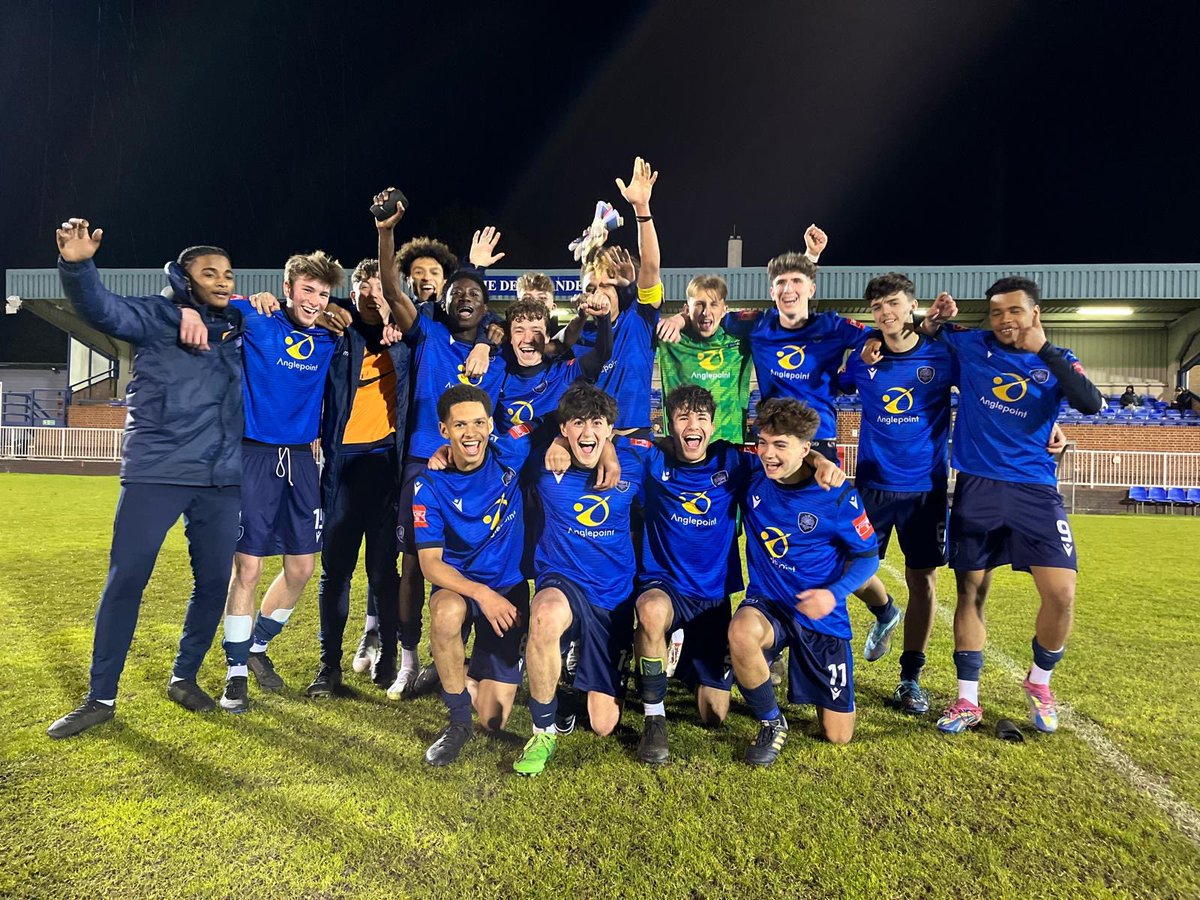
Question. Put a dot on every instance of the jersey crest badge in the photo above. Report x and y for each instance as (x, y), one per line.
(508, 476)
(719, 478)
(1041, 376)
(925, 374)
(806, 522)
(623, 486)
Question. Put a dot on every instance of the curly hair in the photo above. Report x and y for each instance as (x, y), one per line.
(423, 246)
(586, 401)
(785, 416)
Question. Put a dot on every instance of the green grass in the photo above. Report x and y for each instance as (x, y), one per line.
(306, 799)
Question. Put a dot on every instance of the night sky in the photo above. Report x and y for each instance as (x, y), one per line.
(914, 132)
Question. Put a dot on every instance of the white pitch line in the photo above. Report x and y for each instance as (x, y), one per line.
(1182, 814)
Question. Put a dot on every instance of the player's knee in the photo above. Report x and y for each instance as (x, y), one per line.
(548, 618)
(447, 611)
(744, 637)
(839, 736)
(654, 613)
(298, 569)
(712, 714)
(247, 570)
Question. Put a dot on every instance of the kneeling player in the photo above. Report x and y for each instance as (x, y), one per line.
(469, 529)
(583, 568)
(806, 545)
(691, 487)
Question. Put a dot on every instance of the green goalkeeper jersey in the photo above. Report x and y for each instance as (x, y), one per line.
(722, 364)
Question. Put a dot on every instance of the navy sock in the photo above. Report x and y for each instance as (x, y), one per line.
(1044, 659)
(459, 706)
(237, 653)
(885, 612)
(968, 664)
(543, 713)
(654, 680)
(410, 634)
(761, 701)
(911, 664)
(266, 628)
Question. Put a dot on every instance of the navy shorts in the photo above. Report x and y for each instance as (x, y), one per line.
(495, 658)
(997, 523)
(919, 519)
(820, 666)
(281, 501)
(705, 659)
(404, 521)
(605, 639)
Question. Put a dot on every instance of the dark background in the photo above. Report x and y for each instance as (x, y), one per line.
(914, 132)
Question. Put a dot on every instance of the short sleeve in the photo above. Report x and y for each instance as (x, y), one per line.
(429, 528)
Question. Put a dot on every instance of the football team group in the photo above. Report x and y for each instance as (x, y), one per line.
(479, 454)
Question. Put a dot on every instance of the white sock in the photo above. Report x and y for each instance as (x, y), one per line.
(655, 709)
(969, 690)
(1038, 675)
(370, 623)
(281, 616)
(112, 702)
(409, 659)
(174, 678)
(551, 730)
(238, 628)
(258, 647)
(235, 671)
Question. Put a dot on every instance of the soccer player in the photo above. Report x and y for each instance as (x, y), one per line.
(362, 440)
(285, 359)
(902, 461)
(426, 263)
(806, 550)
(440, 351)
(691, 486)
(707, 355)
(181, 455)
(1007, 509)
(468, 526)
(584, 568)
(540, 287)
(626, 377)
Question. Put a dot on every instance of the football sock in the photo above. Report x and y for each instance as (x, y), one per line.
(235, 671)
(459, 706)
(408, 659)
(410, 634)
(654, 685)
(237, 640)
(968, 664)
(911, 664)
(1044, 662)
(370, 623)
(543, 714)
(268, 627)
(107, 702)
(761, 701)
(885, 612)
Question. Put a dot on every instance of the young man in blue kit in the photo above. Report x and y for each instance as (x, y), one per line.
(469, 529)
(806, 550)
(584, 568)
(1007, 509)
(285, 359)
(181, 457)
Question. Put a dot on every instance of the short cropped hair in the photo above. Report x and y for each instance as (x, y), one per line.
(781, 415)
(586, 401)
(889, 283)
(713, 283)
(1016, 283)
(533, 310)
(462, 393)
(690, 398)
(200, 250)
(317, 265)
(420, 247)
(791, 262)
(365, 271)
(535, 281)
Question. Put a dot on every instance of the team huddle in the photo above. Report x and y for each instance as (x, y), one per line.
(482, 454)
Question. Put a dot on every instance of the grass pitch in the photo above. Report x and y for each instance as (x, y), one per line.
(328, 799)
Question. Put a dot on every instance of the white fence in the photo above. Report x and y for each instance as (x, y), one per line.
(1083, 468)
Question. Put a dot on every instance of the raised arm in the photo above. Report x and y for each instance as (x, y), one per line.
(1076, 386)
(637, 193)
(404, 312)
(592, 362)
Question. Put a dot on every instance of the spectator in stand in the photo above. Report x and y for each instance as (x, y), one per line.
(1184, 399)
(1130, 397)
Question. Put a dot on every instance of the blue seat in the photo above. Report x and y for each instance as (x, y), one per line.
(1177, 496)
(1193, 494)
(1158, 496)
(1138, 497)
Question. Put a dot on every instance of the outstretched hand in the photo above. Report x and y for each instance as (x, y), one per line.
(641, 184)
(75, 243)
(483, 248)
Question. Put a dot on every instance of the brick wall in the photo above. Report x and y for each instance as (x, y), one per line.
(95, 415)
(1159, 438)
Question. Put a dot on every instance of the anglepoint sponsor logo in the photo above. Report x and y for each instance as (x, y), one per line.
(997, 406)
(520, 412)
(297, 366)
(1004, 390)
(711, 360)
(299, 345)
(791, 356)
(898, 400)
(592, 510)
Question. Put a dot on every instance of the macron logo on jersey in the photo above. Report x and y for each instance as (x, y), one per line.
(457, 503)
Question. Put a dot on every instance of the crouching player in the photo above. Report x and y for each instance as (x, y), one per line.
(806, 550)
(468, 526)
(583, 567)
(690, 564)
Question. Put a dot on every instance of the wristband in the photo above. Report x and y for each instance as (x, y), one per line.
(643, 218)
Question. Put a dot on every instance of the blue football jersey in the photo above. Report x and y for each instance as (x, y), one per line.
(800, 537)
(905, 428)
(586, 534)
(801, 363)
(438, 363)
(1008, 403)
(477, 517)
(627, 374)
(525, 395)
(691, 520)
(284, 370)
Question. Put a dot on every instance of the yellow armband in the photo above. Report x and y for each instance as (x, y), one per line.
(651, 295)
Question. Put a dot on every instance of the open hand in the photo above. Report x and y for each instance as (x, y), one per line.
(641, 184)
(75, 244)
(483, 248)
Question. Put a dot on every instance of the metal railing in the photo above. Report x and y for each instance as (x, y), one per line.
(87, 444)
